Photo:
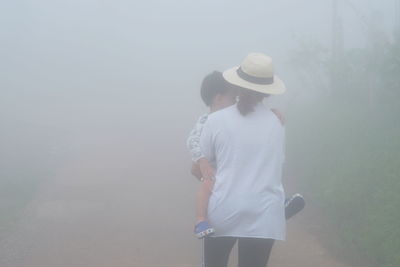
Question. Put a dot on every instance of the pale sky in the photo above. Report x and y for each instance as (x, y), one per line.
(79, 54)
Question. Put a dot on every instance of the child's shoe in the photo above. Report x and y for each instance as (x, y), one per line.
(294, 205)
(203, 229)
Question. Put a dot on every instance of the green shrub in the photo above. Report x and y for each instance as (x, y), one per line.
(348, 158)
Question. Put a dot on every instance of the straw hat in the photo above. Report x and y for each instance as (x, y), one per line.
(256, 73)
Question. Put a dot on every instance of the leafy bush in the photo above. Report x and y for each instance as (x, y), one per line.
(347, 150)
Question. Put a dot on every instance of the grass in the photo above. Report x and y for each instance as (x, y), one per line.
(348, 157)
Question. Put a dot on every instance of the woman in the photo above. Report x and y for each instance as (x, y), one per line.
(245, 143)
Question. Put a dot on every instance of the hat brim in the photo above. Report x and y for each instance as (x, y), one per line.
(276, 88)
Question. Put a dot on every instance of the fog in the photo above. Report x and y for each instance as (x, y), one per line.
(97, 99)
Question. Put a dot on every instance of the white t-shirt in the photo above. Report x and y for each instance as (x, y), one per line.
(248, 153)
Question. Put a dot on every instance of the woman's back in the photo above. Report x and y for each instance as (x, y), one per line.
(247, 151)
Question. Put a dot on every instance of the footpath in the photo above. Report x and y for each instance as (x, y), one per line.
(102, 211)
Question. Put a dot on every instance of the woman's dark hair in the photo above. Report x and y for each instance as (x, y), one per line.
(212, 85)
(248, 99)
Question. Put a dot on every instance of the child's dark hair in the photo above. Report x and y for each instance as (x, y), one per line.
(248, 99)
(212, 85)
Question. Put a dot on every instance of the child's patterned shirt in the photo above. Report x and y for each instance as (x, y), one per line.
(193, 142)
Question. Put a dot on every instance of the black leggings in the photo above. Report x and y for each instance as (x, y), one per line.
(253, 252)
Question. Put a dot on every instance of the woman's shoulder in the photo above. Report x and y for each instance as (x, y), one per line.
(221, 114)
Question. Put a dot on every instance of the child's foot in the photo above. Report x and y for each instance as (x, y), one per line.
(203, 229)
(294, 205)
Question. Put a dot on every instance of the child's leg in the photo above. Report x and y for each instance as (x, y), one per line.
(203, 196)
(202, 227)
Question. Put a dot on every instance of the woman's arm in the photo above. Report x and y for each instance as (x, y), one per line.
(279, 115)
(206, 170)
(196, 171)
(202, 169)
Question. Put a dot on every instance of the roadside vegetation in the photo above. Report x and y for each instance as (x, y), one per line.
(345, 145)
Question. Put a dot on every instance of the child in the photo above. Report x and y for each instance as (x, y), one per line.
(218, 94)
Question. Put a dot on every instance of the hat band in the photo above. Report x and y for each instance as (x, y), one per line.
(252, 79)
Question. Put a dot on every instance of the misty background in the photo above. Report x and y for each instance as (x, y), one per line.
(97, 99)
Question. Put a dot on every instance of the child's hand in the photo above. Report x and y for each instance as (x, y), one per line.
(207, 171)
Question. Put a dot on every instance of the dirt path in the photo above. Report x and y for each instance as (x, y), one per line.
(100, 213)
